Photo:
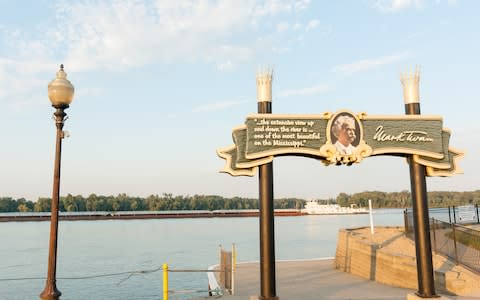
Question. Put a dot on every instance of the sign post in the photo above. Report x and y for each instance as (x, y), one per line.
(265, 175)
(421, 224)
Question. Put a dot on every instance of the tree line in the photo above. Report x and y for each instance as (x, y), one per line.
(403, 199)
(124, 202)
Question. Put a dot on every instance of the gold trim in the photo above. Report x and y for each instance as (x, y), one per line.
(418, 159)
(286, 150)
(223, 153)
(363, 151)
(362, 115)
(457, 155)
(358, 116)
(407, 151)
(238, 128)
(288, 116)
(256, 162)
(241, 172)
(401, 117)
(330, 151)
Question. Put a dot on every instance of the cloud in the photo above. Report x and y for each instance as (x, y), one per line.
(219, 105)
(301, 5)
(281, 50)
(226, 66)
(18, 79)
(393, 6)
(367, 64)
(396, 5)
(125, 34)
(311, 25)
(282, 26)
(297, 26)
(312, 90)
(285, 26)
(89, 35)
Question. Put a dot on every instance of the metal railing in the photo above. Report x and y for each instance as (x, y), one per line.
(226, 274)
(461, 243)
(167, 291)
(227, 267)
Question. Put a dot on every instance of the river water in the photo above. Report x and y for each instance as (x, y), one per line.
(92, 248)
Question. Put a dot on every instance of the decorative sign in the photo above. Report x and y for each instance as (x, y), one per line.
(340, 138)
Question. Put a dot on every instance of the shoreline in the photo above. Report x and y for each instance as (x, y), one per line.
(139, 215)
(128, 215)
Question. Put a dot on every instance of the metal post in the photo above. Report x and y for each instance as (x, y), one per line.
(50, 291)
(478, 217)
(220, 255)
(165, 282)
(455, 243)
(265, 172)
(423, 247)
(405, 221)
(449, 215)
(454, 215)
(426, 285)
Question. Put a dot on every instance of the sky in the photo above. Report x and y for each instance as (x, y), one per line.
(159, 86)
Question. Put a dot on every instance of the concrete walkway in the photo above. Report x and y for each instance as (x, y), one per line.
(314, 279)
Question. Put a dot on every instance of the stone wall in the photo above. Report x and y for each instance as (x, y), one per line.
(388, 257)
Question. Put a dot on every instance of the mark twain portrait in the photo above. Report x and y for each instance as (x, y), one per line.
(344, 129)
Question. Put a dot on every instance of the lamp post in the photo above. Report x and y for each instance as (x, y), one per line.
(423, 247)
(60, 92)
(265, 174)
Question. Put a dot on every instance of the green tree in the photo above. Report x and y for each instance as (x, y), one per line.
(343, 199)
(23, 208)
(43, 205)
(7, 204)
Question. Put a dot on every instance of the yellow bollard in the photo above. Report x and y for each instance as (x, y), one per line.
(234, 267)
(165, 282)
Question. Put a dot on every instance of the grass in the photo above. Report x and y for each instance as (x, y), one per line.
(467, 239)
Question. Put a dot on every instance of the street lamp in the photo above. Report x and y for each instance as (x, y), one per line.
(60, 92)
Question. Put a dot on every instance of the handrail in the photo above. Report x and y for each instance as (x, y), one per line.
(459, 242)
(227, 270)
(167, 270)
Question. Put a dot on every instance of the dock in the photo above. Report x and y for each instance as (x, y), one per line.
(315, 279)
(366, 265)
(311, 279)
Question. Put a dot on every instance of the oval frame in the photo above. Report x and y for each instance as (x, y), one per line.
(358, 127)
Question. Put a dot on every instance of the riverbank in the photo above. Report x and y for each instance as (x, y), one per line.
(135, 215)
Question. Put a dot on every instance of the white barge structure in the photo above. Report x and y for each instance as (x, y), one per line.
(313, 207)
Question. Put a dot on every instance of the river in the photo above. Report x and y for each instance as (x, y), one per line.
(92, 248)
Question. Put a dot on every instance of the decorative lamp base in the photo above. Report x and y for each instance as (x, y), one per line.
(50, 293)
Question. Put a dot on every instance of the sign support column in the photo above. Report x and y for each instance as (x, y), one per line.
(423, 247)
(265, 174)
